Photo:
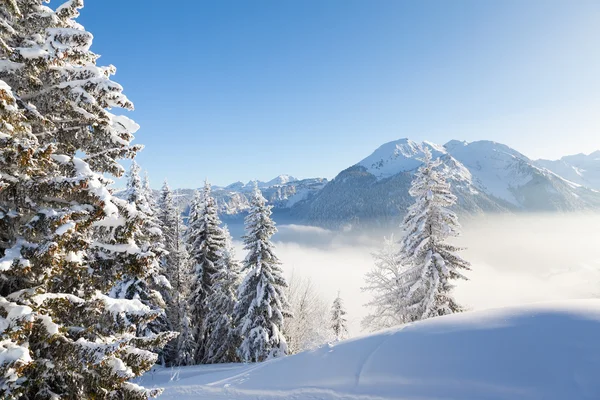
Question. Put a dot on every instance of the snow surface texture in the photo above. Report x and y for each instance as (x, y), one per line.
(542, 351)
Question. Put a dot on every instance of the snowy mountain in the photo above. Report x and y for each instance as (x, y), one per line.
(485, 176)
(542, 351)
(579, 168)
(283, 192)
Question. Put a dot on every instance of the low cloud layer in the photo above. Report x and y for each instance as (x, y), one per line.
(516, 259)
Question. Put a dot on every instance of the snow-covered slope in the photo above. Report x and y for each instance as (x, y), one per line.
(579, 168)
(485, 176)
(544, 351)
(398, 156)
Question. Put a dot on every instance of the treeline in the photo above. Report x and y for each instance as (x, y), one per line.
(224, 309)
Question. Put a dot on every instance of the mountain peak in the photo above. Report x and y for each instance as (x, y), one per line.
(281, 180)
(398, 156)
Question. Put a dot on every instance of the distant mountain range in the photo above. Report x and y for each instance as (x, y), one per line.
(486, 177)
(581, 169)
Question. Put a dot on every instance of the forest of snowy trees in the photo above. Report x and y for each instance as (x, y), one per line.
(96, 289)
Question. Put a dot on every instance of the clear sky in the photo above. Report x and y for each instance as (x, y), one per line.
(239, 90)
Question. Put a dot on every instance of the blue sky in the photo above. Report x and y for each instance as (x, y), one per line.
(239, 90)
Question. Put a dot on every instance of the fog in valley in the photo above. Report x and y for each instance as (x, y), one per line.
(515, 259)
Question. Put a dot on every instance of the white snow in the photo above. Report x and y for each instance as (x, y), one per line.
(397, 156)
(11, 255)
(542, 351)
(61, 158)
(280, 180)
(580, 169)
(61, 230)
(118, 306)
(496, 168)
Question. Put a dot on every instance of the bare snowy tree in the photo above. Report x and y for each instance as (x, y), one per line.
(385, 285)
(309, 326)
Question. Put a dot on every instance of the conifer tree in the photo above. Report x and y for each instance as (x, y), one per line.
(148, 285)
(186, 343)
(338, 319)
(262, 304)
(20, 157)
(430, 264)
(222, 340)
(176, 268)
(206, 242)
(61, 337)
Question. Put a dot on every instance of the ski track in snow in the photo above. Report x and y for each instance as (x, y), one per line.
(543, 351)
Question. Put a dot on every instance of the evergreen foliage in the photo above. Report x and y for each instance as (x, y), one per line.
(262, 304)
(222, 341)
(206, 242)
(65, 241)
(176, 268)
(338, 319)
(148, 285)
(430, 263)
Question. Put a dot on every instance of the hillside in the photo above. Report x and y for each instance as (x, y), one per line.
(543, 351)
(486, 177)
(581, 169)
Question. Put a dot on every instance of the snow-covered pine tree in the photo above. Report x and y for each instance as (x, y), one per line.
(206, 242)
(186, 343)
(262, 304)
(222, 340)
(386, 287)
(430, 263)
(176, 268)
(61, 337)
(146, 285)
(153, 227)
(338, 319)
(22, 162)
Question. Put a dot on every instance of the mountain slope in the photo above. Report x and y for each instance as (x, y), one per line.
(543, 351)
(486, 176)
(580, 168)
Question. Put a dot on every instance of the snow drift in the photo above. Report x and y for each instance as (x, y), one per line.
(542, 351)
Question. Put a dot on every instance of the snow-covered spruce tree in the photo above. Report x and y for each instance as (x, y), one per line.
(262, 304)
(186, 343)
(147, 285)
(222, 340)
(206, 242)
(22, 162)
(307, 326)
(176, 268)
(386, 287)
(430, 263)
(61, 337)
(338, 319)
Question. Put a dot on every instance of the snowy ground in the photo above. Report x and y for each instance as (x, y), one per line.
(544, 351)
